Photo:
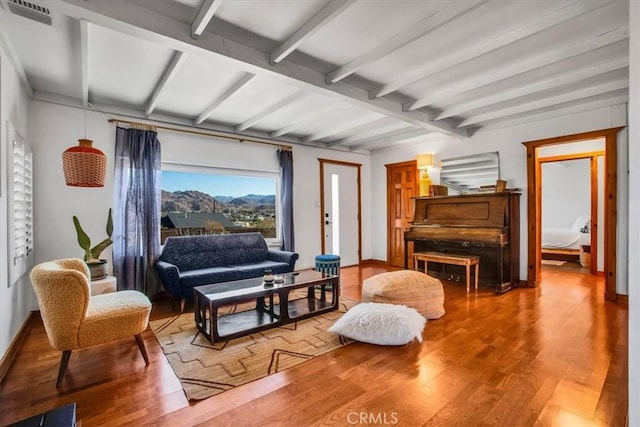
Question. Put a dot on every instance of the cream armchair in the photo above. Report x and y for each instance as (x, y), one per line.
(74, 319)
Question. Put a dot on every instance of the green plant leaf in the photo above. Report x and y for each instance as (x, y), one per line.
(109, 224)
(83, 239)
(100, 247)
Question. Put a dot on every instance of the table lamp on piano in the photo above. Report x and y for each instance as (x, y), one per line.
(424, 161)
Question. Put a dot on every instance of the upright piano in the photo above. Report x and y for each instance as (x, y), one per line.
(486, 225)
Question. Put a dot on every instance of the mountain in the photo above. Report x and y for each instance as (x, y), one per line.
(189, 201)
(197, 201)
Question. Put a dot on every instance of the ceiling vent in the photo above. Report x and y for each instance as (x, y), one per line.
(30, 10)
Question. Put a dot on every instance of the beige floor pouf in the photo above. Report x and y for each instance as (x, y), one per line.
(407, 287)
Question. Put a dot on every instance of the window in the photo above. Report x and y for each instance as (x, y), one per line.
(21, 206)
(199, 200)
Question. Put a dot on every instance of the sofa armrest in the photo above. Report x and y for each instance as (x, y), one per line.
(170, 276)
(284, 256)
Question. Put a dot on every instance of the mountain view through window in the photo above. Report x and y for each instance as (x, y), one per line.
(210, 203)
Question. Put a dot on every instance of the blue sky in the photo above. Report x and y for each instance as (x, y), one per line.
(218, 185)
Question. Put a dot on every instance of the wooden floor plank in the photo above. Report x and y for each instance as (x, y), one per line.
(554, 355)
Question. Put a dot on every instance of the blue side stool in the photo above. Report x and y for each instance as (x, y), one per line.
(329, 264)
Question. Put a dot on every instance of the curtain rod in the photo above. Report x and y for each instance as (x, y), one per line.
(213, 134)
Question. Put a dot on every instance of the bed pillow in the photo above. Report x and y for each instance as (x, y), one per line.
(580, 222)
(381, 324)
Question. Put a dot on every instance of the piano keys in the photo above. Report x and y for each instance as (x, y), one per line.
(486, 225)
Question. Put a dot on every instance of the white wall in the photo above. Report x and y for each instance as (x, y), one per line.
(17, 300)
(566, 192)
(513, 167)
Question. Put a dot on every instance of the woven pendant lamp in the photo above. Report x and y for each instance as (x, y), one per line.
(84, 166)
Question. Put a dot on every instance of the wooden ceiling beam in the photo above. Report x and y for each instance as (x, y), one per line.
(394, 138)
(547, 102)
(137, 21)
(317, 21)
(432, 22)
(364, 134)
(228, 93)
(169, 73)
(362, 121)
(528, 89)
(510, 70)
(485, 46)
(296, 97)
(552, 113)
(203, 17)
(302, 120)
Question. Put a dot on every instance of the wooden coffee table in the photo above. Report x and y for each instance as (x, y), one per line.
(267, 313)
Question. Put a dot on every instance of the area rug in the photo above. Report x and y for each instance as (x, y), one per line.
(553, 262)
(206, 369)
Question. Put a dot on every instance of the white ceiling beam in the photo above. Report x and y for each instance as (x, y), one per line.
(422, 28)
(558, 112)
(392, 141)
(388, 137)
(333, 130)
(547, 102)
(505, 71)
(371, 131)
(474, 50)
(317, 21)
(84, 60)
(365, 130)
(169, 73)
(137, 21)
(203, 17)
(231, 90)
(302, 120)
(296, 97)
(528, 89)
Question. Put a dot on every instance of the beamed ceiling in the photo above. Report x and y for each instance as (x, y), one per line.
(356, 75)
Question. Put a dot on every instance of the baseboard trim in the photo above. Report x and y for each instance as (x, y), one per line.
(374, 261)
(622, 298)
(17, 341)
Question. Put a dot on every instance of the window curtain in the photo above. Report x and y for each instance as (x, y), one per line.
(285, 158)
(136, 242)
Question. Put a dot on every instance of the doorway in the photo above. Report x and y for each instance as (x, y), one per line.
(340, 208)
(611, 195)
(402, 186)
(572, 197)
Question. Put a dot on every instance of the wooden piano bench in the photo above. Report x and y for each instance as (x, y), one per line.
(455, 259)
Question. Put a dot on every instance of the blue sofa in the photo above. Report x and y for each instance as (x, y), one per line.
(189, 261)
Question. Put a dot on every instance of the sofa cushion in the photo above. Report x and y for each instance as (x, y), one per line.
(257, 269)
(193, 252)
(206, 276)
(242, 248)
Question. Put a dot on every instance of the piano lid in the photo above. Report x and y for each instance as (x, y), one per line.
(472, 210)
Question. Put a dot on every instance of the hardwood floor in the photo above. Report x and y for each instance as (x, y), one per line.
(555, 355)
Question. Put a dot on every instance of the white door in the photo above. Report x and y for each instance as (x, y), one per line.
(341, 210)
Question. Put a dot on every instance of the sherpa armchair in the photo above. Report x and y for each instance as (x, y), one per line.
(74, 319)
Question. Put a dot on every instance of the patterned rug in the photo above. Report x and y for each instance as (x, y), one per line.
(206, 369)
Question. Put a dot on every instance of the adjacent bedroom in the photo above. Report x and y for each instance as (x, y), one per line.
(572, 193)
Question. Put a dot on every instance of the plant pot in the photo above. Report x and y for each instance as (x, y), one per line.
(98, 269)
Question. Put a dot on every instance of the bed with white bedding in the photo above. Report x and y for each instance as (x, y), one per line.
(567, 240)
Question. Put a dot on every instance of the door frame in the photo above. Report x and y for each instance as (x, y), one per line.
(534, 228)
(358, 167)
(592, 156)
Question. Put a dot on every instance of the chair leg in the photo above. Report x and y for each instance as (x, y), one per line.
(182, 304)
(142, 348)
(64, 361)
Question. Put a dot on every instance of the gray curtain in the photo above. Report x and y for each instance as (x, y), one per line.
(136, 218)
(285, 158)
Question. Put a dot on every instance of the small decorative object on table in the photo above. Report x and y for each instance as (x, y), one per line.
(278, 278)
(268, 277)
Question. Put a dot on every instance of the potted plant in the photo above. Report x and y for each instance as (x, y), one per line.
(97, 266)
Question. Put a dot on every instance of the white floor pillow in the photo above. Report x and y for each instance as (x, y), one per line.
(382, 324)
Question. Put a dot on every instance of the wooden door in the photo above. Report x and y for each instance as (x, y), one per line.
(402, 185)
